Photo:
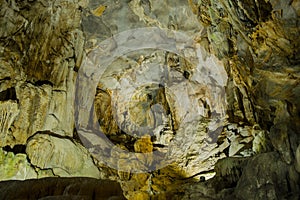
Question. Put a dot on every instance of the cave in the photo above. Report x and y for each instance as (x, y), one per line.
(144, 99)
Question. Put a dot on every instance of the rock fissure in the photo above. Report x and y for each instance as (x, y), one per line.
(150, 104)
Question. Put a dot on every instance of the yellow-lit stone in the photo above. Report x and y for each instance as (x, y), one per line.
(143, 145)
(99, 10)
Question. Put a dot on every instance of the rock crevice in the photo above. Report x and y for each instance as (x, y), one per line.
(223, 107)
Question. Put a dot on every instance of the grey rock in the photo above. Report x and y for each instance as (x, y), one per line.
(63, 156)
(262, 180)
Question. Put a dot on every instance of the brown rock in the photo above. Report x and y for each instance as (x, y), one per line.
(61, 188)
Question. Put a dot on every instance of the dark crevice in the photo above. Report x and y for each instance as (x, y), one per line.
(159, 145)
(289, 187)
(265, 10)
(43, 82)
(240, 102)
(37, 169)
(128, 141)
(186, 74)
(59, 90)
(226, 152)
(290, 108)
(16, 149)
(9, 94)
(47, 132)
(253, 109)
(76, 137)
(5, 79)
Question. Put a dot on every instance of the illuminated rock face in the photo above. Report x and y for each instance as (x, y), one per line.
(231, 93)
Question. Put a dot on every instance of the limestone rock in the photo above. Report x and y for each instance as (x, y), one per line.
(61, 155)
(260, 143)
(167, 95)
(9, 76)
(104, 111)
(143, 145)
(8, 112)
(39, 112)
(15, 167)
(245, 131)
(137, 186)
(235, 179)
(231, 168)
(137, 95)
(297, 163)
(279, 138)
(271, 182)
(235, 147)
(31, 98)
(39, 67)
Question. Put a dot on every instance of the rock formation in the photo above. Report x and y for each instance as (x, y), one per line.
(194, 99)
(61, 188)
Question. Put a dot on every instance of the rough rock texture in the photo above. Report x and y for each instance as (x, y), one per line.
(241, 127)
(275, 181)
(61, 188)
(39, 55)
(61, 155)
(15, 167)
(9, 111)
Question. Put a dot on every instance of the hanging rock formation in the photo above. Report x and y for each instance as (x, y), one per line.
(211, 114)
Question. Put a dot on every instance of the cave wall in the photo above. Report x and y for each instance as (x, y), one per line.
(259, 42)
(260, 45)
(43, 45)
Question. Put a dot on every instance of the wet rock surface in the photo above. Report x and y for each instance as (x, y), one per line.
(231, 114)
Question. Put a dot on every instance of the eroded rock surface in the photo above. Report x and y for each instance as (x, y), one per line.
(152, 104)
(64, 157)
(15, 167)
(40, 52)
